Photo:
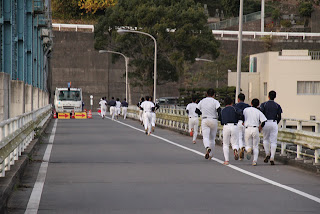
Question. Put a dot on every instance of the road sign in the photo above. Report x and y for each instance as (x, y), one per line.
(63, 115)
(80, 115)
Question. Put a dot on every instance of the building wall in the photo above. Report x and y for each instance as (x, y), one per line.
(281, 74)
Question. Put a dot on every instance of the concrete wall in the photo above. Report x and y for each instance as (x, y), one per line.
(17, 105)
(281, 73)
(4, 95)
(29, 98)
(75, 59)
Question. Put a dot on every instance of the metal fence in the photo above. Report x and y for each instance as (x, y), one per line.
(72, 26)
(301, 144)
(315, 55)
(17, 133)
(235, 21)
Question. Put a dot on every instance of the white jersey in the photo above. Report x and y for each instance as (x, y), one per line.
(103, 104)
(253, 117)
(208, 106)
(191, 107)
(118, 104)
(147, 106)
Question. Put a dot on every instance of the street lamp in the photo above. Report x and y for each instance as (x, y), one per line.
(122, 31)
(126, 61)
(239, 51)
(208, 60)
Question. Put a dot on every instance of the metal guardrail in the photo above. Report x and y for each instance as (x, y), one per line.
(178, 119)
(235, 21)
(17, 133)
(73, 26)
(254, 34)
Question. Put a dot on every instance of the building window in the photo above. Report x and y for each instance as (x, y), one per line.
(265, 89)
(308, 87)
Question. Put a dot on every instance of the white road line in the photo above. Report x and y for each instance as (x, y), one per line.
(306, 195)
(34, 201)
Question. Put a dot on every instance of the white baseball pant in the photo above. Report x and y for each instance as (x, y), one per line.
(194, 124)
(209, 128)
(112, 111)
(147, 121)
(124, 112)
(270, 135)
(103, 111)
(230, 135)
(252, 141)
(241, 134)
(153, 119)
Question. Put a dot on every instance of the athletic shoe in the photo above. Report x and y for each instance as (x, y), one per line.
(254, 163)
(272, 162)
(208, 153)
(241, 153)
(267, 158)
(249, 154)
(226, 163)
(146, 132)
(236, 156)
(194, 142)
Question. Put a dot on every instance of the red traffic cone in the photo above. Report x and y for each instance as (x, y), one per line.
(54, 114)
(89, 114)
(72, 115)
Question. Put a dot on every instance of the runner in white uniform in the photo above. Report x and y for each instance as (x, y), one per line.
(147, 107)
(193, 119)
(210, 110)
(253, 117)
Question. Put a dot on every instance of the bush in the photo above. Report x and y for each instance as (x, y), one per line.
(285, 23)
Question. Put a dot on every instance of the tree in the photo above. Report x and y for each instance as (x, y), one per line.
(92, 6)
(231, 7)
(179, 27)
(305, 9)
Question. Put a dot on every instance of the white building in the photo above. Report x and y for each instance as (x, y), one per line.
(293, 74)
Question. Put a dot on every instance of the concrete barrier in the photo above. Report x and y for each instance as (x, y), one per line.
(16, 134)
(17, 104)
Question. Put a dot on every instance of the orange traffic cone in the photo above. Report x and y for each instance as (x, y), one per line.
(89, 114)
(72, 115)
(54, 114)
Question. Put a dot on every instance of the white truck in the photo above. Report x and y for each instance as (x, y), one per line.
(68, 99)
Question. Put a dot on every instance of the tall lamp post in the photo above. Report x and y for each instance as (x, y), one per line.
(122, 31)
(126, 61)
(208, 60)
(239, 51)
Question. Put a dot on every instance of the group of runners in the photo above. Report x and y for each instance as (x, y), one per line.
(147, 114)
(241, 125)
(115, 107)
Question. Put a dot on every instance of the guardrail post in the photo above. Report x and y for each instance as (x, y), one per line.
(283, 149)
(2, 169)
(299, 149)
(316, 157)
(299, 125)
(317, 128)
(284, 123)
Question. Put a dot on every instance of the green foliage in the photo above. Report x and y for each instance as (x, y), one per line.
(285, 23)
(191, 37)
(231, 7)
(66, 9)
(305, 9)
(275, 15)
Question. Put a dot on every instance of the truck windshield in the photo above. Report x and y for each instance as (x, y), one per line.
(69, 95)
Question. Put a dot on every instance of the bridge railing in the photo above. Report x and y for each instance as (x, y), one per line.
(295, 142)
(76, 27)
(17, 133)
(255, 34)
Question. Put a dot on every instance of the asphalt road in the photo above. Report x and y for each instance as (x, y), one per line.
(103, 166)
